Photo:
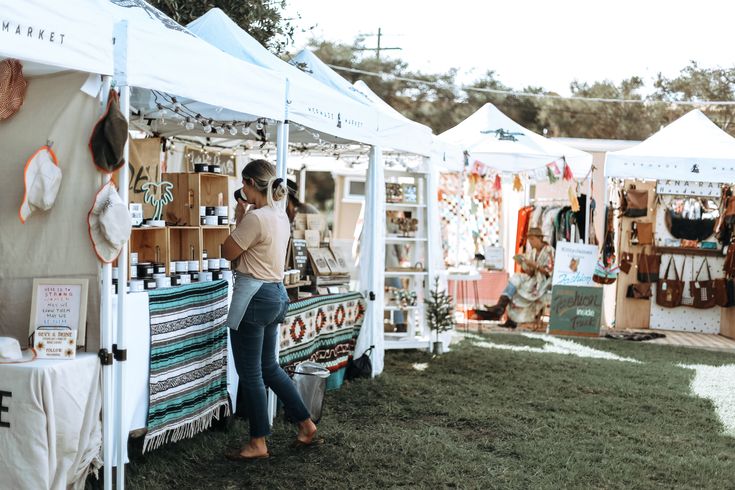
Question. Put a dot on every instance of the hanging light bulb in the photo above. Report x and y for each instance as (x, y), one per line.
(245, 129)
(189, 124)
(207, 126)
(232, 130)
(177, 106)
(259, 126)
(220, 130)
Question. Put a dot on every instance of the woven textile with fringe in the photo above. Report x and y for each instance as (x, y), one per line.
(322, 329)
(188, 371)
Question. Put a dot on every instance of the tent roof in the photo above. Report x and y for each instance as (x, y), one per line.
(311, 104)
(396, 130)
(516, 149)
(691, 148)
(162, 55)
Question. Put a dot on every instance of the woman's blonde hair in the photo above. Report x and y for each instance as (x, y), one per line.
(263, 175)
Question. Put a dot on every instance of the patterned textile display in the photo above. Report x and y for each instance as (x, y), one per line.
(322, 329)
(188, 371)
(468, 207)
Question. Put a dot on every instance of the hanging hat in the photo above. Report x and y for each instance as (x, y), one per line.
(42, 178)
(535, 231)
(12, 87)
(109, 223)
(109, 135)
(10, 352)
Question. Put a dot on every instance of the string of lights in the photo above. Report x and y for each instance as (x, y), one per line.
(514, 93)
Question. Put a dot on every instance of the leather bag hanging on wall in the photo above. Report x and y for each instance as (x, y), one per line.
(648, 266)
(703, 292)
(626, 261)
(720, 286)
(689, 229)
(670, 291)
(639, 290)
(729, 266)
(634, 202)
(645, 233)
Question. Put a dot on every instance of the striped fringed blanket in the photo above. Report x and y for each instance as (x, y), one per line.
(188, 371)
(322, 329)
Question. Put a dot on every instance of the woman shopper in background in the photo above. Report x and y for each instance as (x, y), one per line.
(257, 246)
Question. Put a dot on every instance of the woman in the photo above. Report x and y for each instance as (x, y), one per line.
(527, 292)
(259, 302)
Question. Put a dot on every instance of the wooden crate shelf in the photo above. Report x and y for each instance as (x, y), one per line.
(212, 238)
(192, 191)
(181, 241)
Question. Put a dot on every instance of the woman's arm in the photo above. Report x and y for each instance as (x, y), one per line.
(231, 250)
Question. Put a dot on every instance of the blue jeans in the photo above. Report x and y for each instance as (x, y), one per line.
(254, 352)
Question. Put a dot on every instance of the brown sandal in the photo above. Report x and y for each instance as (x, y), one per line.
(234, 455)
(316, 441)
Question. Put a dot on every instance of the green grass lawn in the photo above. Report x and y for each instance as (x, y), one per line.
(487, 418)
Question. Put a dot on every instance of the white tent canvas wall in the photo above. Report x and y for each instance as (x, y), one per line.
(309, 102)
(692, 148)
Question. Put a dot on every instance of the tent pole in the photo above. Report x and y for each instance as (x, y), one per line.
(105, 282)
(120, 432)
(587, 206)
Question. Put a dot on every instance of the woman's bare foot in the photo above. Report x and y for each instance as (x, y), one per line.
(255, 448)
(307, 431)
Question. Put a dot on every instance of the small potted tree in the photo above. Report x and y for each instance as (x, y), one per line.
(439, 314)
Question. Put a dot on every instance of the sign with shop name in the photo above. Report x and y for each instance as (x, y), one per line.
(55, 343)
(686, 188)
(59, 303)
(574, 264)
(575, 310)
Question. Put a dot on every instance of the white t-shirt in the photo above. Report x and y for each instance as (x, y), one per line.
(263, 234)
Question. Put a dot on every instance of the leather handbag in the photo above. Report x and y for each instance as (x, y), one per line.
(634, 203)
(645, 233)
(648, 266)
(626, 262)
(703, 292)
(721, 298)
(639, 290)
(669, 291)
(729, 266)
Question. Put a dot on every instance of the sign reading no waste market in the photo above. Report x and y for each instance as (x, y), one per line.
(575, 310)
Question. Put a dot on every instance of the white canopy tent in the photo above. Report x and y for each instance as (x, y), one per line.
(309, 103)
(496, 141)
(47, 40)
(692, 148)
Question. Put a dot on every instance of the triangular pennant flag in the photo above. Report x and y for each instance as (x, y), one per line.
(550, 174)
(517, 184)
(497, 185)
(568, 175)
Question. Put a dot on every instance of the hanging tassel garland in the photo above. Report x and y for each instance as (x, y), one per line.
(573, 201)
(550, 174)
(568, 176)
(517, 184)
(497, 185)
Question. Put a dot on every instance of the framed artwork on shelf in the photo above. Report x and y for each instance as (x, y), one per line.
(410, 193)
(393, 192)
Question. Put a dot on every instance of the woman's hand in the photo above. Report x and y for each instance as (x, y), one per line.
(240, 210)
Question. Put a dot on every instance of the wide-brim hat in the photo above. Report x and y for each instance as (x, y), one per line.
(535, 231)
(12, 87)
(42, 180)
(109, 135)
(109, 223)
(11, 353)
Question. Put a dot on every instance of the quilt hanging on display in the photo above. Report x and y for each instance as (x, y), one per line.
(188, 370)
(468, 207)
(322, 329)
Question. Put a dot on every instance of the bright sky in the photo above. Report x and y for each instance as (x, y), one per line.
(534, 42)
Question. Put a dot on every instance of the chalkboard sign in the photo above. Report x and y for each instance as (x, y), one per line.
(299, 257)
(575, 310)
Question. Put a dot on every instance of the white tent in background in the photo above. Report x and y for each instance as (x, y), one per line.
(497, 141)
(692, 148)
(310, 103)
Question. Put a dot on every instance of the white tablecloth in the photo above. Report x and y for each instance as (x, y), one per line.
(55, 432)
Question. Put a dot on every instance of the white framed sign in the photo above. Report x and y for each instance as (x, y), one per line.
(686, 188)
(60, 302)
(574, 264)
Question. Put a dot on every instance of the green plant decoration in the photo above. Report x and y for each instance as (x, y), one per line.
(439, 310)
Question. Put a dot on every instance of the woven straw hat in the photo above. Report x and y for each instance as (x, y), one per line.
(12, 87)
